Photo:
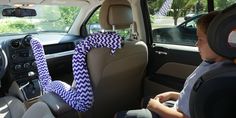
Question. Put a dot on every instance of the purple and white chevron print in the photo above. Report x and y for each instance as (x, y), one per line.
(79, 97)
(166, 6)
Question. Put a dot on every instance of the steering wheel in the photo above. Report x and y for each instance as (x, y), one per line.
(3, 63)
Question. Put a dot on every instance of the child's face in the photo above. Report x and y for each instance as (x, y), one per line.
(205, 51)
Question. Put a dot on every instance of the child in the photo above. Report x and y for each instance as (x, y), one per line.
(211, 60)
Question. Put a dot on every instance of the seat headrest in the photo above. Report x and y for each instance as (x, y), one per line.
(117, 13)
(221, 33)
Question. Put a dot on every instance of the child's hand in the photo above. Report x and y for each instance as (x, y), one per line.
(153, 104)
(163, 96)
(162, 110)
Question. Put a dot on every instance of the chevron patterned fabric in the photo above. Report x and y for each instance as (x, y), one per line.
(79, 97)
(166, 6)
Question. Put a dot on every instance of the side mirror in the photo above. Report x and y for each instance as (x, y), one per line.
(18, 12)
(95, 27)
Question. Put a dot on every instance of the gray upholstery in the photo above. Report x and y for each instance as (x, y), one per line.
(213, 94)
(57, 105)
(38, 110)
(11, 107)
(15, 90)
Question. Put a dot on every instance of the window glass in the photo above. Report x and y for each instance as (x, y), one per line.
(221, 4)
(191, 24)
(48, 19)
(93, 26)
(174, 21)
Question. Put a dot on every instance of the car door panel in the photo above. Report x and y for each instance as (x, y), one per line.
(170, 65)
(173, 74)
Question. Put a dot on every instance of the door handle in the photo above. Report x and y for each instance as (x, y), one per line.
(161, 52)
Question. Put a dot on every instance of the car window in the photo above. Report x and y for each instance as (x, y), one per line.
(174, 21)
(48, 19)
(222, 4)
(93, 26)
(191, 24)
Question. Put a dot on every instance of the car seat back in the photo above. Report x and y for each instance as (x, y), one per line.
(116, 78)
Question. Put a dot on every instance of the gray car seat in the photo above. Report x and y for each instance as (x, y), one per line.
(213, 95)
(11, 107)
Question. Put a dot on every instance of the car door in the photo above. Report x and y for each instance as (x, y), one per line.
(170, 62)
(169, 65)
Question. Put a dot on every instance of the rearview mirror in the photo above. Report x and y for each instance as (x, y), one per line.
(18, 12)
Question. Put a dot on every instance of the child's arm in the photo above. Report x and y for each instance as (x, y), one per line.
(167, 96)
(164, 111)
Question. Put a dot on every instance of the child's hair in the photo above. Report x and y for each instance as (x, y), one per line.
(204, 21)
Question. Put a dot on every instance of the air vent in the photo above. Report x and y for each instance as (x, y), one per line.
(26, 40)
(15, 43)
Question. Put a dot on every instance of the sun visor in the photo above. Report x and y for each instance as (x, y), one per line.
(222, 33)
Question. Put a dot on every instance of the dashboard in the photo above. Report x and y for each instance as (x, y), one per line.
(17, 61)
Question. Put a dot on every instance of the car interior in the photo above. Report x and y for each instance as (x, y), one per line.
(148, 63)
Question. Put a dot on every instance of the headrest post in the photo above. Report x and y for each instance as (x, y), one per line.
(113, 27)
(133, 32)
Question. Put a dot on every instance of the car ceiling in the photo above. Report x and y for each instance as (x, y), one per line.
(48, 2)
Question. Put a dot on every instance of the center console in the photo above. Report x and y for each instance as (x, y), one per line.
(23, 68)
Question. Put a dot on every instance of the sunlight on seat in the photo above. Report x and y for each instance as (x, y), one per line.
(2, 113)
(9, 102)
(58, 107)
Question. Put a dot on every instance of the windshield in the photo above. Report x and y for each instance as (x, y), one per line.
(48, 19)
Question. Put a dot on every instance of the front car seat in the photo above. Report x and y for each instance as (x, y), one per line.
(11, 107)
(116, 78)
(213, 95)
